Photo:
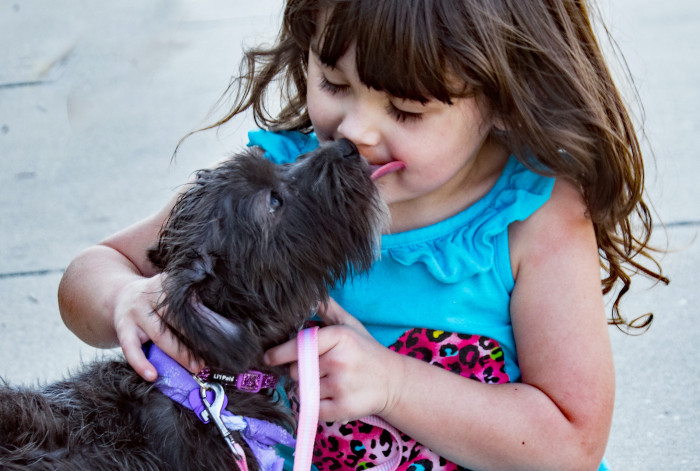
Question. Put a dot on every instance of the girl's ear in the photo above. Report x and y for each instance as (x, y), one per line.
(499, 131)
(497, 124)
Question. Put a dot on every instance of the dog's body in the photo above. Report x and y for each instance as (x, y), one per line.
(256, 243)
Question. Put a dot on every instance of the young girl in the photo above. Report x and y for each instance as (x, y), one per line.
(512, 172)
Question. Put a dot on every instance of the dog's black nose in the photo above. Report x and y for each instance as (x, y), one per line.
(347, 148)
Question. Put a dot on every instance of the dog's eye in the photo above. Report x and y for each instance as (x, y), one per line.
(274, 201)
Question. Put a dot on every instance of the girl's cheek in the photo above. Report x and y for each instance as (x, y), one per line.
(322, 126)
(321, 133)
(324, 113)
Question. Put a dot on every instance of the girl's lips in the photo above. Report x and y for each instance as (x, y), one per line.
(379, 171)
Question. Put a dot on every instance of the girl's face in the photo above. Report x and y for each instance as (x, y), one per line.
(448, 162)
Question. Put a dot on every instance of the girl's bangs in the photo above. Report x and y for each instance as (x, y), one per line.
(398, 47)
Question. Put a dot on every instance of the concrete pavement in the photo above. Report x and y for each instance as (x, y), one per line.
(95, 96)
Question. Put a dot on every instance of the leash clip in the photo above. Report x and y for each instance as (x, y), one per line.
(213, 412)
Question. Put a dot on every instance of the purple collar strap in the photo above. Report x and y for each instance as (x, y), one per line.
(251, 381)
(179, 385)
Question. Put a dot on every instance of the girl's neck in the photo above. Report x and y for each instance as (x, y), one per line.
(469, 186)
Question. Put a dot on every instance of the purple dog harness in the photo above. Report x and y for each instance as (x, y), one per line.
(208, 401)
(204, 395)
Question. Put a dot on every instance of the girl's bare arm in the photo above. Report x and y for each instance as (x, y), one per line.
(108, 294)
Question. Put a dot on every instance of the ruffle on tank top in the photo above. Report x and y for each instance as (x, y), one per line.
(468, 243)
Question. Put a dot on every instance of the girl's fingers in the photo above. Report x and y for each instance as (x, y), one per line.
(172, 347)
(162, 336)
(294, 371)
(131, 346)
(333, 407)
(168, 343)
(327, 412)
(333, 314)
(282, 354)
(286, 353)
(136, 321)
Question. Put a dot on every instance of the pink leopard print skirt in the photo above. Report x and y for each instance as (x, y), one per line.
(357, 445)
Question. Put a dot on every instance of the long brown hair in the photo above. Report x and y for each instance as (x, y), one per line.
(537, 64)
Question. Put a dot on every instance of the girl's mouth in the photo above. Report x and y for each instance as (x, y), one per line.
(379, 171)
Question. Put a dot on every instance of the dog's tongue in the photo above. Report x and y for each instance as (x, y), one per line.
(385, 169)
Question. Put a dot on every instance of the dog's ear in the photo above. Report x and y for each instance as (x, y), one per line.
(210, 336)
(188, 248)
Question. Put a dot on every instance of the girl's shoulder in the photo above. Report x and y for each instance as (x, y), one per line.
(560, 225)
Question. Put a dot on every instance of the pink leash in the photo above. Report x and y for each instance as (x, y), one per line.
(309, 399)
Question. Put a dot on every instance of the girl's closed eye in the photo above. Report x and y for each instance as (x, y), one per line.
(397, 113)
(402, 116)
(333, 88)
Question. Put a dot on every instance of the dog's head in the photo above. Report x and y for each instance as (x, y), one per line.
(258, 245)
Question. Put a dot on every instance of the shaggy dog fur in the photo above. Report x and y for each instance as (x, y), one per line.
(255, 242)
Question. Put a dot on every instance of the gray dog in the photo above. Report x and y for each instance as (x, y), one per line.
(249, 251)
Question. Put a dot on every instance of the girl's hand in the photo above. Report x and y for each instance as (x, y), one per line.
(358, 375)
(137, 321)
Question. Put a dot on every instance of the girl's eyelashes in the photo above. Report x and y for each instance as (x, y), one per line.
(332, 88)
(398, 114)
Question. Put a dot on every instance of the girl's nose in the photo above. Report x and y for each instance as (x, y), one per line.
(359, 126)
